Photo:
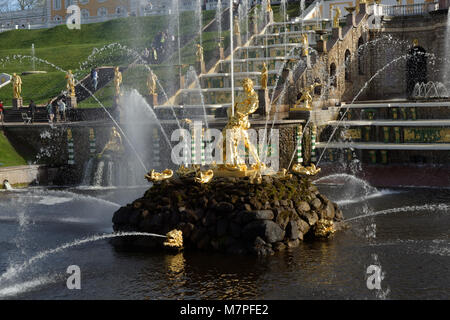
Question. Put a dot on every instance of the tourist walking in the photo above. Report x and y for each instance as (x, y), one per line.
(1, 111)
(94, 76)
(32, 110)
(62, 110)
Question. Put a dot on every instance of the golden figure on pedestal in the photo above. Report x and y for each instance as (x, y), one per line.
(152, 81)
(264, 76)
(269, 7)
(305, 44)
(246, 103)
(17, 86)
(307, 171)
(336, 17)
(236, 27)
(307, 96)
(70, 83)
(199, 53)
(117, 80)
(204, 176)
(114, 144)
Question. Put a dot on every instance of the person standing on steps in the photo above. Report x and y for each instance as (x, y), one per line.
(50, 113)
(32, 110)
(94, 77)
(62, 110)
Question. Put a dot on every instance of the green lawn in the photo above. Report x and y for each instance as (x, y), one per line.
(9, 156)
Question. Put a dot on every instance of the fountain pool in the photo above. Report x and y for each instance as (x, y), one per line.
(401, 230)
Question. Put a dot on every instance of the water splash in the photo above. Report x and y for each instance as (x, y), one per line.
(15, 270)
(427, 207)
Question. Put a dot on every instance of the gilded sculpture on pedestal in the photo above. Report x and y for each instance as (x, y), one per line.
(114, 144)
(305, 44)
(70, 83)
(246, 103)
(269, 7)
(236, 27)
(336, 17)
(264, 76)
(152, 81)
(117, 80)
(154, 176)
(199, 53)
(17, 86)
(307, 95)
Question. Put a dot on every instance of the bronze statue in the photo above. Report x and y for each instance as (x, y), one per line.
(114, 144)
(264, 76)
(151, 83)
(246, 103)
(117, 80)
(17, 86)
(336, 17)
(70, 83)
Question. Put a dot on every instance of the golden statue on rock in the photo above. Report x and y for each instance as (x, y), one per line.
(114, 144)
(174, 239)
(117, 80)
(306, 171)
(204, 176)
(17, 86)
(70, 83)
(246, 103)
(154, 176)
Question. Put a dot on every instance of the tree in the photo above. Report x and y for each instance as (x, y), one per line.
(29, 4)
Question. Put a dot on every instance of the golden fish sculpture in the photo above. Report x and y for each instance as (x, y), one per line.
(307, 171)
(174, 239)
(154, 176)
(204, 176)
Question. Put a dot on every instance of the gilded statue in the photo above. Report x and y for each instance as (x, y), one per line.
(246, 103)
(204, 176)
(269, 7)
(91, 134)
(174, 239)
(17, 86)
(70, 83)
(306, 95)
(154, 176)
(324, 228)
(114, 144)
(117, 80)
(305, 44)
(236, 27)
(264, 76)
(307, 171)
(199, 53)
(336, 17)
(151, 83)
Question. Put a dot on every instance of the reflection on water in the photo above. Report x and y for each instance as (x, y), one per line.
(409, 241)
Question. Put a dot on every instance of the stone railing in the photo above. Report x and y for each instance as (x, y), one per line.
(404, 10)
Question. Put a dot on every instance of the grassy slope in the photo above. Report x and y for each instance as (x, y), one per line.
(9, 156)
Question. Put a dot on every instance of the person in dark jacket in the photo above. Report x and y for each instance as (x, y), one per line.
(32, 110)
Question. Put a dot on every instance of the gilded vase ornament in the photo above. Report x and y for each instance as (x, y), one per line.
(264, 76)
(70, 83)
(114, 144)
(246, 103)
(154, 176)
(152, 81)
(174, 239)
(117, 81)
(204, 176)
(336, 17)
(312, 170)
(17, 86)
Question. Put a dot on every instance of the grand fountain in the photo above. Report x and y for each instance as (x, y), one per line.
(238, 159)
